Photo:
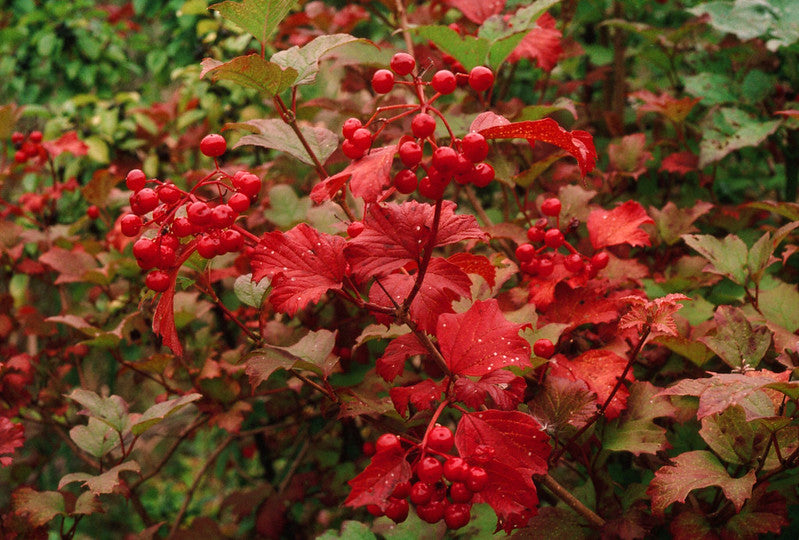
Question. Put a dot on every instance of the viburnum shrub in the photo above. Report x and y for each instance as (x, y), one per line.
(412, 306)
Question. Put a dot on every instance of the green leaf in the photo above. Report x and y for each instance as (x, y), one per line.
(286, 209)
(112, 410)
(779, 305)
(251, 71)
(672, 222)
(695, 351)
(159, 411)
(732, 129)
(249, 292)
(738, 344)
(96, 438)
(278, 135)
(313, 353)
(747, 19)
(468, 50)
(713, 88)
(305, 59)
(727, 257)
(101, 483)
(760, 258)
(87, 503)
(635, 431)
(350, 530)
(38, 506)
(258, 17)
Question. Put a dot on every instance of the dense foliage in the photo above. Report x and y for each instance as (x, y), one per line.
(384, 269)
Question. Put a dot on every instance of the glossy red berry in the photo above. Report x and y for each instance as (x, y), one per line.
(93, 212)
(423, 125)
(482, 175)
(444, 82)
(130, 225)
(157, 280)
(35, 137)
(199, 213)
(382, 81)
(355, 228)
(459, 493)
(397, 510)
(456, 469)
(231, 241)
(17, 137)
(208, 247)
(362, 139)
(239, 202)
(250, 185)
(431, 512)
(551, 207)
(421, 493)
(135, 180)
(386, 442)
(213, 145)
(441, 439)
(431, 187)
(146, 200)
(600, 260)
(477, 479)
(475, 147)
(481, 78)
(554, 238)
(545, 267)
(223, 216)
(349, 127)
(402, 63)
(375, 510)
(574, 263)
(525, 253)
(166, 257)
(410, 153)
(20, 156)
(402, 490)
(405, 181)
(529, 267)
(168, 194)
(181, 227)
(535, 234)
(145, 250)
(368, 448)
(544, 348)
(457, 515)
(445, 159)
(429, 470)
(351, 151)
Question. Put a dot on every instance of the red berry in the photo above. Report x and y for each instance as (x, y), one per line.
(445, 159)
(213, 145)
(402, 63)
(250, 185)
(402, 490)
(405, 181)
(464, 165)
(525, 253)
(423, 125)
(135, 180)
(362, 139)
(574, 263)
(459, 493)
(157, 280)
(440, 439)
(456, 469)
(368, 449)
(535, 234)
(93, 212)
(410, 153)
(146, 200)
(444, 82)
(17, 137)
(20, 156)
(181, 227)
(168, 194)
(545, 267)
(529, 267)
(239, 202)
(223, 216)
(382, 81)
(208, 247)
(457, 515)
(477, 479)
(355, 228)
(421, 493)
(352, 151)
(349, 127)
(481, 78)
(482, 175)
(386, 442)
(231, 240)
(431, 188)
(166, 257)
(554, 238)
(474, 147)
(551, 207)
(431, 512)
(429, 470)
(130, 225)
(146, 251)
(543, 348)
(397, 510)
(600, 260)
(169, 240)
(35, 137)
(374, 510)
(199, 213)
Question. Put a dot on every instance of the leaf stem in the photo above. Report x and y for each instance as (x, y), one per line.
(573, 502)
(428, 253)
(289, 118)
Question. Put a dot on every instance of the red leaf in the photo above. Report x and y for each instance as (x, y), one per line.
(619, 226)
(481, 340)
(505, 388)
(376, 483)
(599, 369)
(478, 11)
(12, 436)
(576, 305)
(71, 265)
(68, 142)
(789, 112)
(389, 366)
(674, 109)
(443, 283)
(488, 119)
(368, 176)
(680, 162)
(541, 44)
(396, 234)
(423, 396)
(164, 317)
(303, 263)
(628, 156)
(475, 264)
(657, 314)
(578, 143)
(510, 493)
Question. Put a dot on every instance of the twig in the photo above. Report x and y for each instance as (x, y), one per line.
(563, 494)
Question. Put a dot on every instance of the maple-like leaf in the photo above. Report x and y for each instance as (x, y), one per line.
(68, 142)
(628, 156)
(562, 403)
(389, 366)
(656, 314)
(504, 388)
(578, 143)
(672, 222)
(423, 396)
(680, 163)
(369, 176)
(376, 483)
(618, 226)
(38, 507)
(541, 44)
(12, 436)
(737, 342)
(475, 264)
(635, 430)
(303, 263)
(106, 482)
(765, 512)
(600, 369)
(478, 11)
(443, 283)
(576, 305)
(510, 493)
(674, 109)
(695, 470)
(481, 340)
(397, 234)
(72, 265)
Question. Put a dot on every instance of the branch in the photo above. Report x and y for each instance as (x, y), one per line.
(563, 494)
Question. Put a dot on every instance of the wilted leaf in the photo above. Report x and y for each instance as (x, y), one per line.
(655, 314)
(39, 507)
(106, 482)
(563, 402)
(312, 352)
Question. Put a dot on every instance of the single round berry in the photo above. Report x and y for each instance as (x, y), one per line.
(544, 348)
(157, 281)
(135, 180)
(574, 263)
(375, 510)
(387, 442)
(431, 188)
(423, 125)
(405, 181)
(169, 240)
(429, 470)
(355, 228)
(166, 257)
(402, 490)
(168, 194)
(459, 493)
(362, 139)
(421, 493)
(382, 81)
(239, 202)
(352, 151)
(20, 156)
(17, 137)
(231, 241)
(397, 510)
(525, 253)
(368, 448)
(551, 207)
(590, 270)
(456, 469)
(199, 213)
(431, 512)
(482, 175)
(535, 234)
(529, 267)
(349, 127)
(208, 247)
(213, 145)
(444, 82)
(130, 225)
(410, 153)
(481, 78)
(475, 147)
(545, 267)
(440, 439)
(146, 200)
(600, 260)
(464, 165)
(35, 137)
(181, 227)
(223, 216)
(553, 238)
(457, 515)
(402, 63)
(250, 185)
(445, 159)
(145, 250)
(477, 479)
(93, 212)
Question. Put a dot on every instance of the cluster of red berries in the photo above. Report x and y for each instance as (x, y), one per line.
(534, 261)
(462, 160)
(439, 489)
(180, 214)
(28, 147)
